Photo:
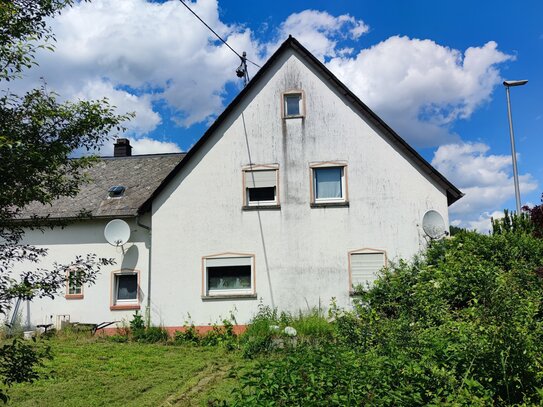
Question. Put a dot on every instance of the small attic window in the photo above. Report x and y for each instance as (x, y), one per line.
(293, 105)
(116, 191)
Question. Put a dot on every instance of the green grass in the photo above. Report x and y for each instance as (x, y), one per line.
(97, 372)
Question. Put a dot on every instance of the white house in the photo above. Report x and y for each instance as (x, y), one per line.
(294, 194)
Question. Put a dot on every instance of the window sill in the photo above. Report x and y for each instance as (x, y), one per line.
(126, 307)
(299, 116)
(329, 204)
(229, 297)
(261, 207)
(74, 296)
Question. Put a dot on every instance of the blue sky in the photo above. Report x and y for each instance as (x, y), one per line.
(431, 69)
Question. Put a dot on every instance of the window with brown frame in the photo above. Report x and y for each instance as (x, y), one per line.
(74, 287)
(364, 265)
(329, 184)
(293, 104)
(125, 290)
(228, 275)
(261, 187)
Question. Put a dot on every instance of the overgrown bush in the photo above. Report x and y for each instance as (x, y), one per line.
(150, 334)
(461, 326)
(266, 330)
(188, 335)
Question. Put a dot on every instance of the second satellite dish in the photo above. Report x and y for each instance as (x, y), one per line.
(117, 232)
(433, 224)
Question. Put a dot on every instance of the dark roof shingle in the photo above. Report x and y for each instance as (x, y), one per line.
(140, 175)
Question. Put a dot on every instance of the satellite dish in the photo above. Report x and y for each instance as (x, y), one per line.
(117, 232)
(433, 224)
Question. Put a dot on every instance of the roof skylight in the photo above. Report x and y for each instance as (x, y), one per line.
(116, 191)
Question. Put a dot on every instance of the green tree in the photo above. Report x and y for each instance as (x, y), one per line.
(536, 216)
(38, 134)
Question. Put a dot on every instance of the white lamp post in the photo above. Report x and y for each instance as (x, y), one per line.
(507, 85)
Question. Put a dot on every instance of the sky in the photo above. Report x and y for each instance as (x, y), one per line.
(433, 70)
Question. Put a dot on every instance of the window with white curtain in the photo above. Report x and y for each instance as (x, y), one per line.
(261, 187)
(329, 184)
(228, 275)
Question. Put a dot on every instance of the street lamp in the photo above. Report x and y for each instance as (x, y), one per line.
(507, 85)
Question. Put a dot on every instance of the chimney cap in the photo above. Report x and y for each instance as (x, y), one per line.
(122, 148)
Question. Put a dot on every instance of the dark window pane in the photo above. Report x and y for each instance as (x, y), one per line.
(293, 105)
(229, 278)
(127, 287)
(261, 194)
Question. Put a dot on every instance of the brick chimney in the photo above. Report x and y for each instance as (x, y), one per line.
(122, 148)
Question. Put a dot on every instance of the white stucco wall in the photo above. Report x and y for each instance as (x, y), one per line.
(82, 238)
(300, 252)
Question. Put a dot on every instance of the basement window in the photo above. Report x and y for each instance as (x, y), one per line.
(228, 276)
(116, 191)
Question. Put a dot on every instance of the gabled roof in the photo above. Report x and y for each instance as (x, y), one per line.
(139, 174)
(453, 193)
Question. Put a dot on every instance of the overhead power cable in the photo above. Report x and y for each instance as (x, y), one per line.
(243, 58)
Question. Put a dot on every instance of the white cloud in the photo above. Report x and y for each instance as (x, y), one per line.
(421, 87)
(320, 32)
(486, 179)
(144, 145)
(138, 53)
(145, 54)
(146, 118)
(481, 224)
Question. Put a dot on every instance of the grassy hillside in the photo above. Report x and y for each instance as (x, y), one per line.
(99, 372)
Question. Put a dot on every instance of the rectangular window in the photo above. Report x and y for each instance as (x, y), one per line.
(293, 104)
(125, 290)
(261, 187)
(127, 287)
(74, 286)
(328, 184)
(229, 276)
(365, 266)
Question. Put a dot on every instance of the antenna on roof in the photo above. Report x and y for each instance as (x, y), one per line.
(242, 71)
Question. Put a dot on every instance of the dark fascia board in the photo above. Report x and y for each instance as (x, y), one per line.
(453, 193)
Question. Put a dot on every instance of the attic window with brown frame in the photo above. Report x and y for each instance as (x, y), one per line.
(293, 104)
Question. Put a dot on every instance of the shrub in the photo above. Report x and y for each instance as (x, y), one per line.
(188, 335)
(117, 338)
(152, 334)
(137, 325)
(222, 335)
(461, 326)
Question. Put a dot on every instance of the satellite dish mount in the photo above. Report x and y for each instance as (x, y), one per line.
(434, 225)
(117, 232)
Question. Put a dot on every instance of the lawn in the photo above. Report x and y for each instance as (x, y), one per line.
(99, 372)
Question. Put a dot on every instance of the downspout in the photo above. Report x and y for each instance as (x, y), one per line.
(148, 307)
